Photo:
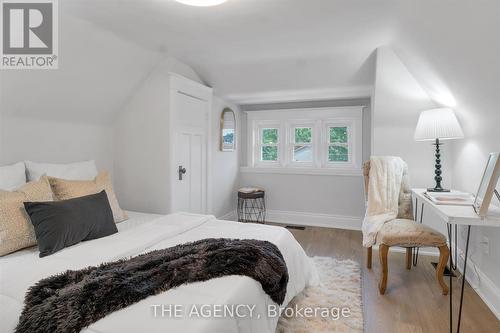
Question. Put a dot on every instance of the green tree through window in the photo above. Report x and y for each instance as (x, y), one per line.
(338, 149)
(269, 153)
(270, 136)
(303, 135)
(269, 150)
(338, 134)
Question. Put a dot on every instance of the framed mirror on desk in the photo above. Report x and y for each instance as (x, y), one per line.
(487, 188)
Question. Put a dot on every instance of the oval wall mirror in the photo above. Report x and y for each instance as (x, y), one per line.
(228, 130)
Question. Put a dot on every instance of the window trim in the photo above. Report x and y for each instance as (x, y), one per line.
(319, 119)
(290, 143)
(258, 144)
(351, 140)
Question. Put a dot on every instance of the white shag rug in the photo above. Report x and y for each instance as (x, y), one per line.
(339, 288)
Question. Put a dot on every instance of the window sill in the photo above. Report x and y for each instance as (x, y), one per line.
(304, 171)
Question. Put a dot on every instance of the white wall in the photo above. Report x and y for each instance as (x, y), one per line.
(137, 131)
(136, 149)
(470, 160)
(225, 165)
(28, 138)
(97, 71)
(458, 65)
(397, 102)
(398, 98)
(335, 201)
(65, 115)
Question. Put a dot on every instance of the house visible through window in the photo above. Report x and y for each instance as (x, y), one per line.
(303, 149)
(301, 139)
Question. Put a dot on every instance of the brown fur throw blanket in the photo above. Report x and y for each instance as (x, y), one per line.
(73, 300)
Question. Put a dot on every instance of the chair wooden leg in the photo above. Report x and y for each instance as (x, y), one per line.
(408, 257)
(369, 257)
(444, 253)
(383, 251)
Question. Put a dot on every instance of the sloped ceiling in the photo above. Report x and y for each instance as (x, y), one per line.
(97, 72)
(453, 50)
(248, 48)
(252, 47)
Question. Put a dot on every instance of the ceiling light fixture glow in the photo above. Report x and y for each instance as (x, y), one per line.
(201, 3)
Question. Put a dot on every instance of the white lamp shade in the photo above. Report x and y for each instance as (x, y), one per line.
(439, 124)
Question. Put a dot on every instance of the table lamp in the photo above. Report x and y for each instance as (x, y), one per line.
(438, 125)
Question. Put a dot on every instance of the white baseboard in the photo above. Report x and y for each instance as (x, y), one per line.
(314, 219)
(306, 219)
(231, 216)
(484, 287)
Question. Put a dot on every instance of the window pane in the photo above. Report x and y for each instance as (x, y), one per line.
(269, 135)
(269, 153)
(303, 135)
(338, 134)
(302, 154)
(228, 136)
(338, 154)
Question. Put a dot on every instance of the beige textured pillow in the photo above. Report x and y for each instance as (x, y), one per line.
(68, 189)
(16, 230)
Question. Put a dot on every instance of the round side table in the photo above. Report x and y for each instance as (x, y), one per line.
(251, 205)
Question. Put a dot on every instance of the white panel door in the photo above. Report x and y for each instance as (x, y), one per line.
(190, 116)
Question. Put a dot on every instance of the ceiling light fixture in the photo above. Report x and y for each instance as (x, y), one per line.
(201, 3)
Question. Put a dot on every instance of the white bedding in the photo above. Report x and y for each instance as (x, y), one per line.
(146, 232)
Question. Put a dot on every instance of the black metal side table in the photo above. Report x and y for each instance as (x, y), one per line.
(251, 205)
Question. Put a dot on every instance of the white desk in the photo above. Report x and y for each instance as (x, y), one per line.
(453, 216)
(462, 215)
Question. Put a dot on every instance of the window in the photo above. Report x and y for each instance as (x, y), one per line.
(322, 141)
(269, 147)
(302, 148)
(338, 145)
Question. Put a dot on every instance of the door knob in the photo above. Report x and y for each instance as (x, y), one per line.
(181, 171)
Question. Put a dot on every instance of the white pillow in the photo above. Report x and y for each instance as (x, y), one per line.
(74, 171)
(12, 176)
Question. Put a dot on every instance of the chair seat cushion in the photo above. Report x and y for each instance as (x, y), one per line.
(408, 233)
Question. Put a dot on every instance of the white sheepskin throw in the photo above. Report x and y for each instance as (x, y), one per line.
(384, 186)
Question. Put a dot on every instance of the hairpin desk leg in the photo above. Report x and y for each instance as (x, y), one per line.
(416, 209)
(451, 280)
(415, 251)
(456, 248)
(453, 266)
(415, 217)
(463, 279)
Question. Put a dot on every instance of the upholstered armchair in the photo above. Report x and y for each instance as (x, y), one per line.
(405, 232)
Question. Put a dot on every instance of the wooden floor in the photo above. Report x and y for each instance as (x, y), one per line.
(413, 301)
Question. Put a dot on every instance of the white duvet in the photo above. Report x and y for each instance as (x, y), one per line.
(143, 233)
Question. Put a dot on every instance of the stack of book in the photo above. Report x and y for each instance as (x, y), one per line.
(456, 198)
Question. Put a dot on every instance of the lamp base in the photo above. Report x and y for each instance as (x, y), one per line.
(437, 190)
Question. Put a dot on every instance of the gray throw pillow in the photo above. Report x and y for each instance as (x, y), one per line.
(59, 224)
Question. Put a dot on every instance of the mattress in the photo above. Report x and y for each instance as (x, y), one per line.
(146, 232)
(136, 219)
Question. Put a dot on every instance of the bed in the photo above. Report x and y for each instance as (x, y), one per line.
(146, 232)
